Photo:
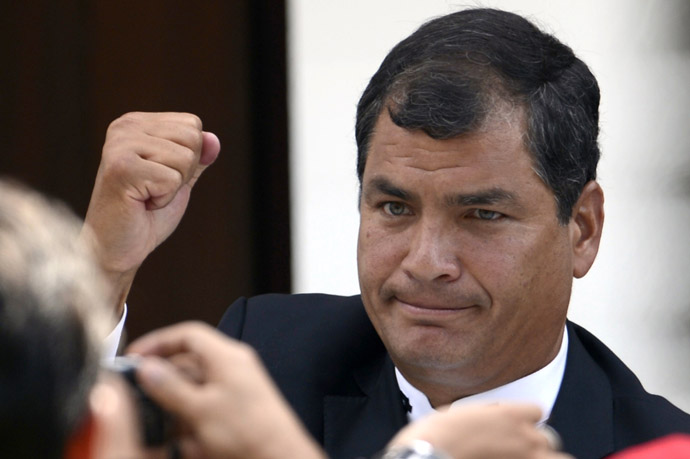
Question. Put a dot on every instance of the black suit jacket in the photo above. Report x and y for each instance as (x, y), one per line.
(328, 360)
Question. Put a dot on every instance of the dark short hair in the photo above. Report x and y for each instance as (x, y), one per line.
(454, 71)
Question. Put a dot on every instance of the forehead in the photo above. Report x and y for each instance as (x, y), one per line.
(493, 155)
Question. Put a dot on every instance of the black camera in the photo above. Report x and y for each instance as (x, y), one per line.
(156, 424)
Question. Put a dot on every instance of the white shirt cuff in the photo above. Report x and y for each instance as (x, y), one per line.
(112, 341)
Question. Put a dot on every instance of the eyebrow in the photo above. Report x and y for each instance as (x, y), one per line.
(385, 186)
(482, 198)
(490, 196)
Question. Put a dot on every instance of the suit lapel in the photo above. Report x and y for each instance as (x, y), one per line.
(360, 425)
(583, 412)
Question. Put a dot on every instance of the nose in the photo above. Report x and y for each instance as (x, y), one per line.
(432, 254)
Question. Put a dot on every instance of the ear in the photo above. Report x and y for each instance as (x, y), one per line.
(80, 444)
(586, 223)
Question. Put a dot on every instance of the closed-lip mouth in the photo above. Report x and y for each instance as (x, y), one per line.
(432, 306)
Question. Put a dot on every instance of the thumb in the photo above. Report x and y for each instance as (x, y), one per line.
(172, 390)
(210, 149)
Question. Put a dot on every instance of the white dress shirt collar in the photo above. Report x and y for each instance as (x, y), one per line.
(540, 387)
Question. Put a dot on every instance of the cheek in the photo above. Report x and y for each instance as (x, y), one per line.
(513, 269)
(534, 274)
(492, 260)
(554, 274)
(378, 254)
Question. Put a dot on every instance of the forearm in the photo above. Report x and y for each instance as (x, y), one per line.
(118, 280)
(120, 285)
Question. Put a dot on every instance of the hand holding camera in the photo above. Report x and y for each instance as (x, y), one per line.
(222, 399)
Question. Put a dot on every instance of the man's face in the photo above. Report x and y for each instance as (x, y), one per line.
(464, 269)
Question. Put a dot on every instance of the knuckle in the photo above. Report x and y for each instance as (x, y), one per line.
(125, 123)
(195, 121)
(118, 123)
(246, 353)
(128, 117)
(197, 326)
(118, 165)
(186, 162)
(198, 140)
(193, 139)
(118, 147)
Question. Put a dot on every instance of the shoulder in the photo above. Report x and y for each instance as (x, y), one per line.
(284, 312)
(313, 345)
(637, 413)
(309, 329)
(304, 303)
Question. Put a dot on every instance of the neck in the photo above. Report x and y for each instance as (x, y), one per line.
(443, 386)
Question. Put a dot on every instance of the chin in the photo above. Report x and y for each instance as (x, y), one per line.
(428, 354)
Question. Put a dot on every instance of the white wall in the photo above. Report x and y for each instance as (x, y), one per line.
(637, 296)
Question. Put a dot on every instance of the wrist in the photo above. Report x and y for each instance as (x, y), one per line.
(116, 281)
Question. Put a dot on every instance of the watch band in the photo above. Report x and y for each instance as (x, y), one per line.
(418, 449)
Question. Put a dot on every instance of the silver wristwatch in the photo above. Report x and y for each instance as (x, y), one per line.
(418, 449)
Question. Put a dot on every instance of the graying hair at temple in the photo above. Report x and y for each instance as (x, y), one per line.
(52, 322)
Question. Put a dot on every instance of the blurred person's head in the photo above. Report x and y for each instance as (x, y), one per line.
(54, 401)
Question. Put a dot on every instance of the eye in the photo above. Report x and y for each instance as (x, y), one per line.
(395, 209)
(483, 214)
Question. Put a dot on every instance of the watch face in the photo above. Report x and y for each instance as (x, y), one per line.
(419, 449)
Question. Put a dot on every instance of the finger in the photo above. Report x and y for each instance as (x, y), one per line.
(158, 118)
(145, 180)
(184, 134)
(153, 184)
(214, 353)
(154, 168)
(168, 152)
(196, 337)
(189, 161)
(518, 411)
(189, 365)
(552, 437)
(169, 388)
(183, 129)
(528, 412)
(172, 139)
(204, 145)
